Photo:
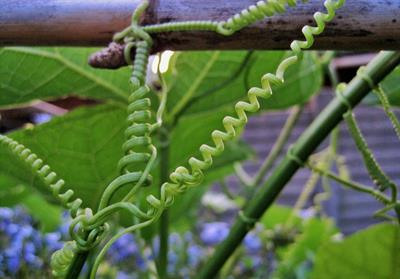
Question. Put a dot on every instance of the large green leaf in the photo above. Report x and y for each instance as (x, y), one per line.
(193, 74)
(84, 147)
(294, 256)
(27, 74)
(200, 82)
(369, 254)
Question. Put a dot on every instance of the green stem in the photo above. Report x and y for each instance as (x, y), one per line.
(77, 264)
(164, 219)
(321, 127)
(352, 185)
(279, 144)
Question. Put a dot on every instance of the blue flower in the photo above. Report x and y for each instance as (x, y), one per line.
(13, 263)
(140, 263)
(172, 261)
(123, 248)
(195, 253)
(52, 241)
(40, 118)
(252, 243)
(123, 275)
(6, 213)
(214, 233)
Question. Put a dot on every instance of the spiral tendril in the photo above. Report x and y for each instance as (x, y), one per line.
(138, 147)
(376, 173)
(244, 18)
(183, 178)
(48, 177)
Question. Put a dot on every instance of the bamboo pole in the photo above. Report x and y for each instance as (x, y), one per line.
(360, 24)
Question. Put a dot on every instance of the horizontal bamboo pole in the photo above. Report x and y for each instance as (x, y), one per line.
(361, 24)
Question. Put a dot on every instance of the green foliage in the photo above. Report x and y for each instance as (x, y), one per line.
(27, 74)
(369, 254)
(292, 258)
(217, 80)
(83, 146)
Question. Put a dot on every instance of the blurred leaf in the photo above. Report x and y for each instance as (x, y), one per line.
(294, 256)
(201, 82)
(13, 193)
(277, 215)
(48, 215)
(369, 254)
(391, 87)
(27, 74)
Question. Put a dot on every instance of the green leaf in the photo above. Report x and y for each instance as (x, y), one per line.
(13, 193)
(192, 74)
(369, 254)
(200, 82)
(27, 74)
(315, 232)
(48, 215)
(277, 215)
(84, 146)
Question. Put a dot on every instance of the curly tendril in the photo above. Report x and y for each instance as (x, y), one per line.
(138, 147)
(235, 23)
(48, 177)
(376, 173)
(183, 178)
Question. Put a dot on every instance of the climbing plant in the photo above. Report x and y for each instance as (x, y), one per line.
(181, 137)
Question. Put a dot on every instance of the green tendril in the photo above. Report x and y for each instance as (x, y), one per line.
(44, 172)
(87, 229)
(376, 173)
(386, 107)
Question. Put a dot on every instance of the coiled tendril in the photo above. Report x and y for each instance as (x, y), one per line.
(86, 229)
(183, 178)
(61, 259)
(376, 173)
(48, 177)
(138, 147)
(238, 21)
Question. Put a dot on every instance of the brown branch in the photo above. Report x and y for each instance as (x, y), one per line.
(360, 24)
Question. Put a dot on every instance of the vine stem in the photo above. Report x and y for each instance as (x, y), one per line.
(319, 129)
(164, 219)
(77, 264)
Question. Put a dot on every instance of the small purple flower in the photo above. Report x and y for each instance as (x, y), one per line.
(6, 213)
(123, 248)
(123, 275)
(172, 261)
(214, 233)
(252, 243)
(195, 253)
(13, 263)
(40, 118)
(53, 241)
(11, 230)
